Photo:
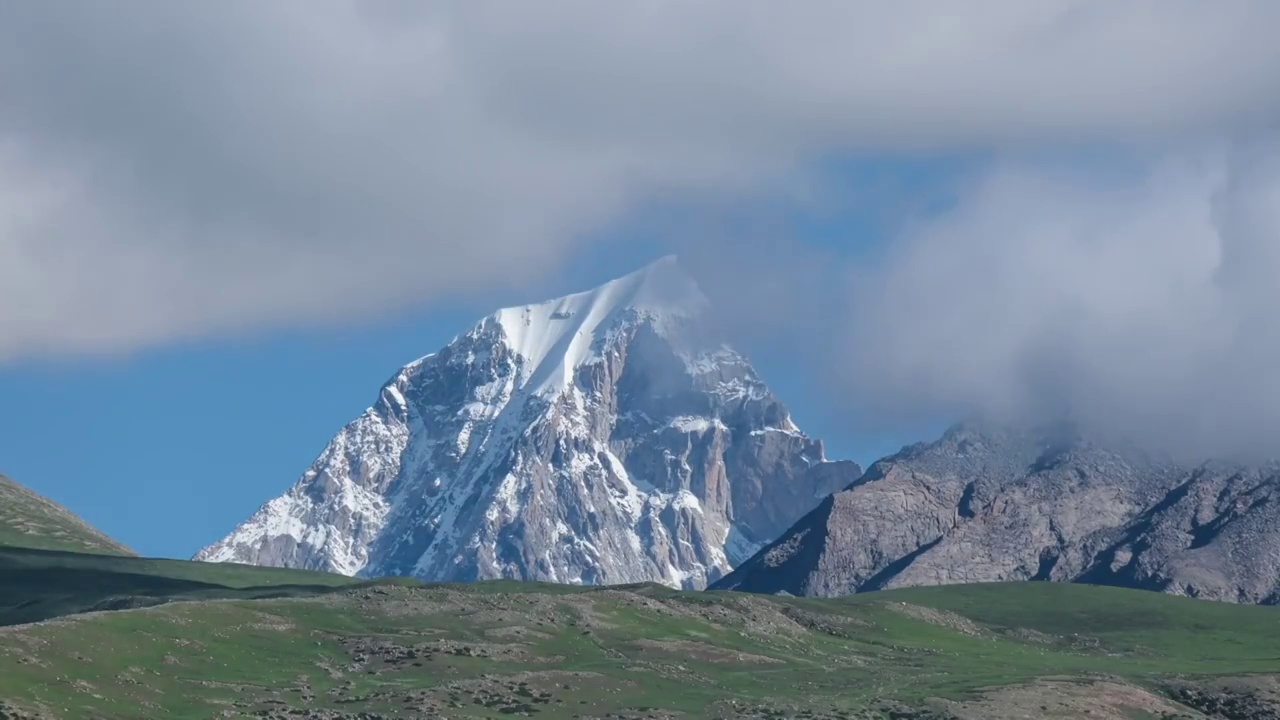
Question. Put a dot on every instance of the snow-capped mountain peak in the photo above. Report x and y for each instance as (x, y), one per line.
(556, 337)
(605, 436)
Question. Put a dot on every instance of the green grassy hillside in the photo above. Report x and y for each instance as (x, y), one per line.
(493, 650)
(30, 520)
(41, 584)
(52, 564)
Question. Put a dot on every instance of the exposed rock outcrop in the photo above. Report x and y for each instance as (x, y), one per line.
(987, 504)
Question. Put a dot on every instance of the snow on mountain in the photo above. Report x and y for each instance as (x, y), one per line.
(604, 437)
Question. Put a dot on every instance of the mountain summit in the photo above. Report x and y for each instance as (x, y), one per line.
(608, 436)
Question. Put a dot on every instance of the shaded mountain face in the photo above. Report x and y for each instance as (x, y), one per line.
(30, 520)
(604, 437)
(988, 504)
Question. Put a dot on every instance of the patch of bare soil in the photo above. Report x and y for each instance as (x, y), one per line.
(945, 618)
(516, 632)
(372, 654)
(734, 709)
(316, 714)
(393, 601)
(756, 616)
(646, 714)
(760, 616)
(484, 611)
(1033, 636)
(269, 621)
(525, 693)
(18, 634)
(1061, 699)
(517, 615)
(1075, 642)
(703, 652)
(12, 712)
(833, 625)
(1244, 698)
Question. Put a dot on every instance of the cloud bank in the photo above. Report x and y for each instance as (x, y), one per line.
(189, 169)
(1144, 308)
(180, 170)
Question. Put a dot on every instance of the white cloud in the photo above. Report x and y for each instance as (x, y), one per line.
(181, 169)
(1144, 307)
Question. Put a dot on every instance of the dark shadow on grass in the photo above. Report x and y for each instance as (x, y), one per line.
(43, 584)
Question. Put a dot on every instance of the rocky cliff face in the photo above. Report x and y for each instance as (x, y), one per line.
(604, 437)
(987, 504)
(1214, 535)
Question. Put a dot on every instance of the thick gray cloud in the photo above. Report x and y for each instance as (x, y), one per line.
(170, 170)
(1145, 307)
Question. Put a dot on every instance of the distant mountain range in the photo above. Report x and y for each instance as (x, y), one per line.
(612, 436)
(988, 504)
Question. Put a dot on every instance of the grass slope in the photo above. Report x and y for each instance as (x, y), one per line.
(494, 650)
(30, 520)
(41, 584)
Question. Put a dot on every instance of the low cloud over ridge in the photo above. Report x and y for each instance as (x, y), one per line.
(1143, 308)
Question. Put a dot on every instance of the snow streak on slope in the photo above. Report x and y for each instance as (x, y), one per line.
(603, 437)
(555, 338)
